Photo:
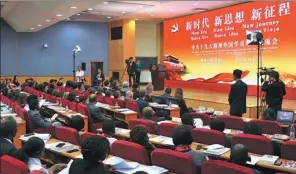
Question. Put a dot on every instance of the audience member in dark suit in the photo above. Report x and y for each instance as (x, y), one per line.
(7, 133)
(76, 122)
(269, 114)
(37, 119)
(252, 128)
(131, 70)
(115, 85)
(95, 112)
(275, 90)
(139, 135)
(15, 81)
(106, 85)
(219, 125)
(187, 119)
(182, 139)
(136, 90)
(181, 101)
(239, 155)
(147, 114)
(141, 102)
(238, 94)
(95, 150)
(167, 94)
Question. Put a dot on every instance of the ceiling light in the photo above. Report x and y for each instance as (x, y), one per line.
(59, 15)
(141, 6)
(47, 20)
(195, 4)
(123, 12)
(39, 25)
(105, 2)
(151, 15)
(32, 28)
(171, 9)
(90, 9)
(73, 7)
(136, 19)
(109, 17)
(78, 14)
(68, 19)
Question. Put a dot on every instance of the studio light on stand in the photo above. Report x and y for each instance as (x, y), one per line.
(76, 50)
(255, 37)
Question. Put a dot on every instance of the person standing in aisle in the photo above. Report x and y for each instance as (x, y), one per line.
(138, 71)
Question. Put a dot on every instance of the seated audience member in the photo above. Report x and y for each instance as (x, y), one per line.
(15, 81)
(106, 85)
(115, 85)
(239, 155)
(136, 90)
(65, 95)
(129, 96)
(37, 119)
(116, 95)
(13, 95)
(72, 97)
(167, 94)
(125, 88)
(219, 125)
(5, 91)
(21, 99)
(52, 83)
(108, 93)
(141, 101)
(41, 87)
(109, 130)
(269, 114)
(252, 128)
(182, 139)
(139, 135)
(75, 86)
(187, 119)
(148, 92)
(100, 91)
(181, 101)
(95, 150)
(147, 114)
(31, 153)
(99, 83)
(29, 98)
(76, 122)
(60, 84)
(95, 111)
(49, 91)
(81, 86)
(7, 133)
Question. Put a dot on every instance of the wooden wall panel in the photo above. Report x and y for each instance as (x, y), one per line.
(160, 52)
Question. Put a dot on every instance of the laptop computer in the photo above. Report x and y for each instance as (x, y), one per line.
(285, 117)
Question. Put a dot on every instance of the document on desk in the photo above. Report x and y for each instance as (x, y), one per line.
(66, 170)
(254, 160)
(122, 110)
(66, 147)
(44, 137)
(119, 163)
(128, 112)
(41, 102)
(227, 131)
(122, 131)
(160, 139)
(147, 169)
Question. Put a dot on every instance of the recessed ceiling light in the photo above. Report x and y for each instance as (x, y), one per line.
(171, 9)
(68, 19)
(151, 15)
(108, 17)
(141, 6)
(90, 9)
(39, 25)
(123, 12)
(136, 19)
(47, 20)
(73, 7)
(105, 2)
(195, 4)
(59, 15)
(32, 28)
(78, 14)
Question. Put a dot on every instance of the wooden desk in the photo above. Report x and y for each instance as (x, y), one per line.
(68, 114)
(112, 112)
(21, 130)
(174, 111)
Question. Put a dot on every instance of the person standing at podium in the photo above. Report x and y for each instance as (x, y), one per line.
(131, 70)
(238, 95)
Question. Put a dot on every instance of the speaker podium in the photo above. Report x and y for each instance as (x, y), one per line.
(158, 74)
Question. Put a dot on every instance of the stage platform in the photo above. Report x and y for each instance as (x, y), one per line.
(219, 101)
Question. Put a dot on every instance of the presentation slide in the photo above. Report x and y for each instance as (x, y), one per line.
(208, 46)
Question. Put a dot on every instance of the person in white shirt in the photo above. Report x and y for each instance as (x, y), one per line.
(31, 153)
(109, 130)
(80, 75)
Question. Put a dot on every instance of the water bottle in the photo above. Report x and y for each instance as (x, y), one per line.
(292, 131)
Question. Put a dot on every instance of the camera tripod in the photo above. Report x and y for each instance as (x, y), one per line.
(124, 71)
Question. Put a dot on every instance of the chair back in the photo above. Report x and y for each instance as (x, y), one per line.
(65, 102)
(120, 102)
(101, 99)
(11, 165)
(216, 166)
(109, 101)
(176, 162)
(130, 151)
(149, 125)
(132, 105)
(269, 127)
(206, 119)
(68, 134)
(232, 122)
(86, 135)
(208, 136)
(29, 125)
(72, 105)
(254, 143)
(166, 129)
(288, 150)
(82, 109)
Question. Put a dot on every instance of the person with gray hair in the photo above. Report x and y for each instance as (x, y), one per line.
(129, 96)
(147, 114)
(95, 111)
(148, 92)
(125, 88)
(7, 133)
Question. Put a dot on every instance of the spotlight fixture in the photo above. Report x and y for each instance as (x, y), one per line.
(90, 9)
(123, 12)
(78, 14)
(105, 2)
(32, 28)
(73, 7)
(47, 20)
(39, 25)
(108, 17)
(59, 15)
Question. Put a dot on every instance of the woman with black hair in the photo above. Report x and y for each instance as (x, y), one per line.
(94, 150)
(31, 153)
(15, 81)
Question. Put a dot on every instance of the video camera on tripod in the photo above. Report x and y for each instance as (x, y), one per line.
(265, 71)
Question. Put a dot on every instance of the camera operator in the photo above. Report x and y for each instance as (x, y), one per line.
(131, 70)
(275, 90)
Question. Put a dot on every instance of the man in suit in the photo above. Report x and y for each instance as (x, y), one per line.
(238, 95)
(7, 133)
(95, 112)
(275, 90)
(141, 101)
(131, 70)
(147, 114)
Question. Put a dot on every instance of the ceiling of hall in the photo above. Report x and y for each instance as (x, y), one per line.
(31, 16)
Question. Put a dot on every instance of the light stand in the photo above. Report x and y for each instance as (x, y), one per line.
(75, 51)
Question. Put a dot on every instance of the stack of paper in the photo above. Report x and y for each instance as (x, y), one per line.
(119, 163)
(64, 148)
(268, 159)
(254, 160)
(122, 131)
(160, 139)
(176, 119)
(227, 131)
(198, 123)
(44, 137)
(128, 112)
(216, 149)
(122, 110)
